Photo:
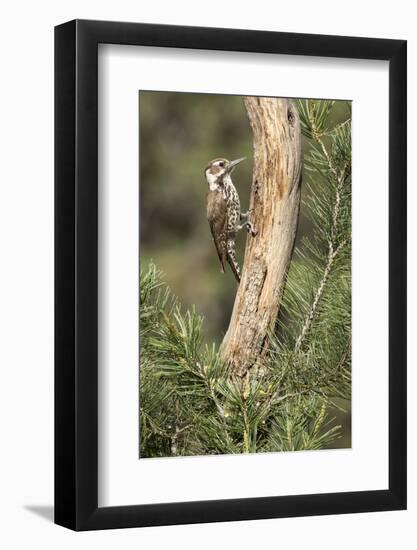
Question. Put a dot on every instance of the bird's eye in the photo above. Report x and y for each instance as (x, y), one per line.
(221, 164)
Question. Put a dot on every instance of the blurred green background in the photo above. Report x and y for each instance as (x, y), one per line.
(179, 134)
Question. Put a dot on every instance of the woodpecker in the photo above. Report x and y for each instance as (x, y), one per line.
(223, 211)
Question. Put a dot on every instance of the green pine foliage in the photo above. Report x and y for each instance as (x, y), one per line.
(191, 404)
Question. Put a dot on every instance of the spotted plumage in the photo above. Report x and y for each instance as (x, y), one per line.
(223, 211)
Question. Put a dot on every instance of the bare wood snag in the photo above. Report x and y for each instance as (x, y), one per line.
(275, 203)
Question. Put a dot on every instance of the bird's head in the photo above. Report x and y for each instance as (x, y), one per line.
(218, 168)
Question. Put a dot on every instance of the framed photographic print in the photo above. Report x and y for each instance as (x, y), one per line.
(230, 251)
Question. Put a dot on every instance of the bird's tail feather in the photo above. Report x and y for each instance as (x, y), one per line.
(231, 258)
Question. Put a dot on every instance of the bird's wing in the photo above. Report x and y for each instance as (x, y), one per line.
(217, 218)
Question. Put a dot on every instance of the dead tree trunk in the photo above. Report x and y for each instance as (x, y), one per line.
(275, 202)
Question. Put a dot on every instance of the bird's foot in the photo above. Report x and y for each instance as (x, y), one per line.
(250, 229)
(245, 219)
(244, 216)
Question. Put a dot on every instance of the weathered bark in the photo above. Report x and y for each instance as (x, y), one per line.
(275, 202)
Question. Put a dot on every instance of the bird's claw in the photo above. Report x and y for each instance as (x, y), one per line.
(250, 229)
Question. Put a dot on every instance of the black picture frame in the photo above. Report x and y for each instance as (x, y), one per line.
(76, 272)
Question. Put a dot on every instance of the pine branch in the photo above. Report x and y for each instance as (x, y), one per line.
(313, 310)
(340, 175)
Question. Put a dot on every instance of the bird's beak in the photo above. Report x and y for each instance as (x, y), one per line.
(234, 163)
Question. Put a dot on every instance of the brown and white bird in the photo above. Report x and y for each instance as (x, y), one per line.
(223, 211)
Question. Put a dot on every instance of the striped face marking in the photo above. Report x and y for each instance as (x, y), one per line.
(215, 172)
(212, 181)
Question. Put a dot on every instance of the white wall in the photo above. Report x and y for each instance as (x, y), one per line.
(26, 301)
